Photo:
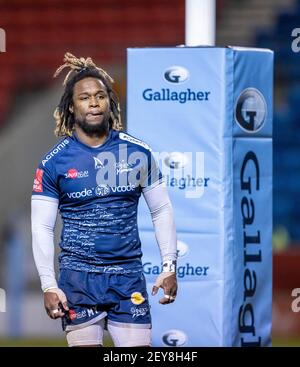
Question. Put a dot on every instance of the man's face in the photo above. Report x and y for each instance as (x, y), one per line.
(91, 106)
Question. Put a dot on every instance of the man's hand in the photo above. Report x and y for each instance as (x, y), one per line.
(168, 282)
(55, 302)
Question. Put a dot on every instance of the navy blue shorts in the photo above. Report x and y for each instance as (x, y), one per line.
(121, 298)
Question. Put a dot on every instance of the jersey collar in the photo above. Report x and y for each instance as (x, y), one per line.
(93, 149)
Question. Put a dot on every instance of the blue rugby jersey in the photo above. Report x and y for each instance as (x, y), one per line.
(98, 191)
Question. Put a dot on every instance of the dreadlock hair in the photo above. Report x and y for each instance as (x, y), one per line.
(80, 69)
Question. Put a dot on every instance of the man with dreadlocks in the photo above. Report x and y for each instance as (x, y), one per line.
(95, 176)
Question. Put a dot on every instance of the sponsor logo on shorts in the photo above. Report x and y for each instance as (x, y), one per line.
(139, 311)
(137, 298)
(38, 181)
(72, 314)
(82, 314)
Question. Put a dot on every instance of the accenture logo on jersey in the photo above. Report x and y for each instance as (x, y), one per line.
(174, 338)
(56, 150)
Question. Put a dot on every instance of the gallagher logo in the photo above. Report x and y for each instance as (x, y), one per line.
(251, 110)
(182, 249)
(176, 75)
(174, 338)
(176, 160)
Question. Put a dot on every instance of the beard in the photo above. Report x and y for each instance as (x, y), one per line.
(92, 130)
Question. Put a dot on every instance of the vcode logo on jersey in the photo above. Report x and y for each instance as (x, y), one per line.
(100, 190)
(73, 173)
(251, 110)
(38, 181)
(80, 194)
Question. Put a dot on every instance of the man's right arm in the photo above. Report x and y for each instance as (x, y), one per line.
(43, 217)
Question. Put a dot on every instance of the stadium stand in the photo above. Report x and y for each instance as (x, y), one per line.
(39, 33)
(286, 121)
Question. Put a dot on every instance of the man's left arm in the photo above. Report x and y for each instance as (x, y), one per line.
(161, 210)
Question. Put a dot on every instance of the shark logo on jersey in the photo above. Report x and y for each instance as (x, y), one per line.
(98, 163)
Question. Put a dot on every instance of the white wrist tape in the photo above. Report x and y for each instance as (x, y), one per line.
(169, 266)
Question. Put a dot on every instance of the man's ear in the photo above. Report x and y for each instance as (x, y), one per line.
(71, 109)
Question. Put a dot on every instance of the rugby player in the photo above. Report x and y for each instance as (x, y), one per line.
(94, 176)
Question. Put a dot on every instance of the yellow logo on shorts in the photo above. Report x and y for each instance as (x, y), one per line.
(137, 298)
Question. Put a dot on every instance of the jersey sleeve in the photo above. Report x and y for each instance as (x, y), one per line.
(152, 175)
(45, 182)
